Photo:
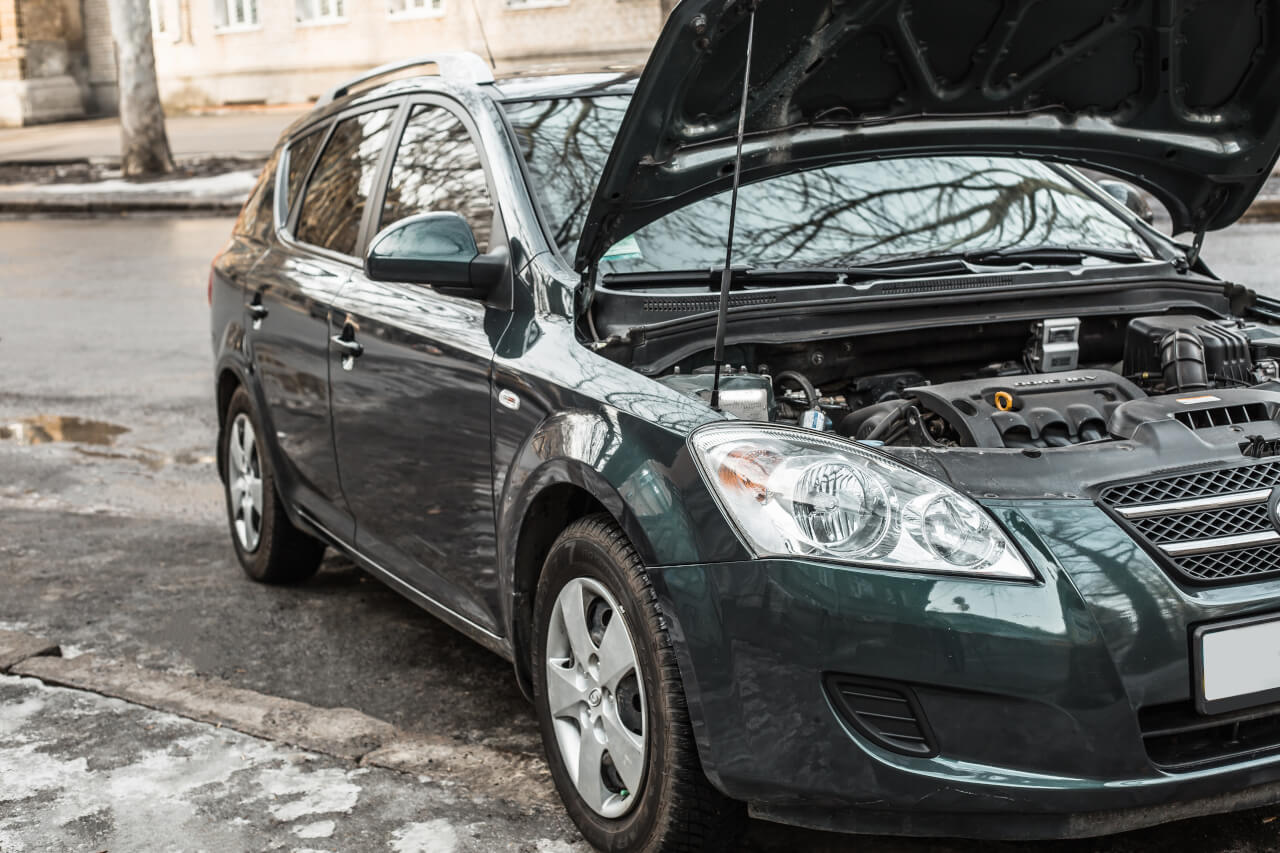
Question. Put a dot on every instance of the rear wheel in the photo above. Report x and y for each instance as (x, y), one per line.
(269, 547)
(611, 706)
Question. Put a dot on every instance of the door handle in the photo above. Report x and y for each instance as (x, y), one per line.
(350, 348)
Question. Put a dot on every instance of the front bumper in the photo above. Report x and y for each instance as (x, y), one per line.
(1034, 693)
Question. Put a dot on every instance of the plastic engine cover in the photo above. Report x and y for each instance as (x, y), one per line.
(1037, 410)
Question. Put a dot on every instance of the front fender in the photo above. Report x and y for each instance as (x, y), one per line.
(639, 472)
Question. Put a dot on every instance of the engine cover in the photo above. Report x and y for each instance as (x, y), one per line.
(1036, 410)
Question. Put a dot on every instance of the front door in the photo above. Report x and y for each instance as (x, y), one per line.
(411, 411)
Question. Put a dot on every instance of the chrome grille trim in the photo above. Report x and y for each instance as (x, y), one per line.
(1206, 527)
(1254, 496)
(1220, 543)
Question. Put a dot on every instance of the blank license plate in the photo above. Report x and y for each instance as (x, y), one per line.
(1237, 664)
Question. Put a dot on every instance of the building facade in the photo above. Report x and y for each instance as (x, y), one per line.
(211, 52)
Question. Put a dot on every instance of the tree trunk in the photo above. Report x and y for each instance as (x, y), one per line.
(144, 144)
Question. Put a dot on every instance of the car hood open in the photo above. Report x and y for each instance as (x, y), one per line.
(1177, 96)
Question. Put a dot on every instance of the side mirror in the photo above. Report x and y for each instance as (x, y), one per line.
(438, 249)
(1130, 198)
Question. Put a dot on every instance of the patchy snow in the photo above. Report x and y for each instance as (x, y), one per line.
(434, 836)
(309, 792)
(319, 829)
(228, 184)
(548, 846)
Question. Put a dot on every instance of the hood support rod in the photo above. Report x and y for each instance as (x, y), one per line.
(726, 276)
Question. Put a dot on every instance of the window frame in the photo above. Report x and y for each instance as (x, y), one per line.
(498, 232)
(522, 5)
(374, 202)
(170, 30)
(235, 26)
(417, 14)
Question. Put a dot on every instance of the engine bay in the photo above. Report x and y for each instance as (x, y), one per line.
(1059, 383)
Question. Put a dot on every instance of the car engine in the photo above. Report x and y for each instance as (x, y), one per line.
(1203, 372)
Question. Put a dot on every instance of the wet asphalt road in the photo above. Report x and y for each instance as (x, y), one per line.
(112, 540)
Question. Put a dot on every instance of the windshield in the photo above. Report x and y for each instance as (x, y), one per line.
(842, 215)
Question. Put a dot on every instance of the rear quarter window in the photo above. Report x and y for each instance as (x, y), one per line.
(298, 157)
(257, 217)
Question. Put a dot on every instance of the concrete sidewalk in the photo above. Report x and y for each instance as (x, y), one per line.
(243, 132)
(79, 771)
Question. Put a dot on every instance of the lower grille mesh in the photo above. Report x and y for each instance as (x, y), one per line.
(1179, 739)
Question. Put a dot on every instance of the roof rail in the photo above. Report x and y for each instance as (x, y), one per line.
(457, 67)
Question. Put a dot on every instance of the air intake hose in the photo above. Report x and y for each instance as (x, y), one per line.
(1182, 362)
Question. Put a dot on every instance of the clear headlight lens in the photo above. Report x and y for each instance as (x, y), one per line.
(800, 493)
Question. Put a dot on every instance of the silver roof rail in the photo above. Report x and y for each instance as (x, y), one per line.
(458, 67)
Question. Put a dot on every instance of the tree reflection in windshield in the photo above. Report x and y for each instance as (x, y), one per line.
(834, 216)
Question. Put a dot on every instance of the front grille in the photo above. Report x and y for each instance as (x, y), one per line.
(1209, 527)
(1179, 739)
(1203, 525)
(887, 714)
(1219, 482)
(1230, 565)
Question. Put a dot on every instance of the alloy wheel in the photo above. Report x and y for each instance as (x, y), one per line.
(596, 697)
(244, 483)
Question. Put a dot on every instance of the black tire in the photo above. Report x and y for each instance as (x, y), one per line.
(283, 554)
(678, 810)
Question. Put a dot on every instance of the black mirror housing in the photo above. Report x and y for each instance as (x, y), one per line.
(436, 249)
(1130, 197)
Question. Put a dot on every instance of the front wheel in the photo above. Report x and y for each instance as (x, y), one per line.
(611, 706)
(269, 547)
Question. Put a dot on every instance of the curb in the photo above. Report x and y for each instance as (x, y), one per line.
(91, 207)
(1265, 209)
(338, 732)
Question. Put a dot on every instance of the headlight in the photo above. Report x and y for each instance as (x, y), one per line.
(797, 493)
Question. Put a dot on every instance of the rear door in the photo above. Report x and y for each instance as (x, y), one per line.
(411, 412)
(294, 285)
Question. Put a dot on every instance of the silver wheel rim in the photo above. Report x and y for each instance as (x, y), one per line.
(596, 697)
(244, 483)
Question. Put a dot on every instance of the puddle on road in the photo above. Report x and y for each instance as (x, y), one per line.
(45, 429)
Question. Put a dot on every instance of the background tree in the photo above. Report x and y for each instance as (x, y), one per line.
(144, 143)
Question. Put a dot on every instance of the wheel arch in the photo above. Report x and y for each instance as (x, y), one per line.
(229, 381)
(558, 494)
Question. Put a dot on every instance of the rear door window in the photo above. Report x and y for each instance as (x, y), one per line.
(437, 167)
(334, 201)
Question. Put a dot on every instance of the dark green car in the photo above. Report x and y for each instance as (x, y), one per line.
(945, 500)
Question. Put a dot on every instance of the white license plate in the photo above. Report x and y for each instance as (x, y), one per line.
(1237, 664)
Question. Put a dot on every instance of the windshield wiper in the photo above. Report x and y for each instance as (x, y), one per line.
(783, 276)
(960, 263)
(1054, 255)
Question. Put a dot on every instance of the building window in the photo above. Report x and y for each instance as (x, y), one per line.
(415, 8)
(235, 14)
(320, 11)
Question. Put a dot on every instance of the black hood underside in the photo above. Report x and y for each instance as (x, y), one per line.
(1181, 97)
